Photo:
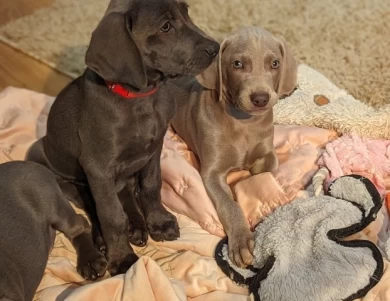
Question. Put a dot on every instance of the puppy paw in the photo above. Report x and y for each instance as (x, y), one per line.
(91, 265)
(120, 263)
(100, 245)
(162, 225)
(138, 234)
(241, 245)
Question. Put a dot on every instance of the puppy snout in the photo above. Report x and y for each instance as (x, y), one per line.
(212, 49)
(260, 99)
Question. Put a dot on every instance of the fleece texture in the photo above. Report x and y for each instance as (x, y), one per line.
(337, 109)
(301, 252)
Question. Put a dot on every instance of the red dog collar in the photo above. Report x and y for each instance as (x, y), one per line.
(121, 91)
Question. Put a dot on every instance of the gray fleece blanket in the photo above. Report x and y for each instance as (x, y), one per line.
(301, 252)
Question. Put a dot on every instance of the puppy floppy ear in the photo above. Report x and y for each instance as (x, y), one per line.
(113, 54)
(289, 70)
(211, 78)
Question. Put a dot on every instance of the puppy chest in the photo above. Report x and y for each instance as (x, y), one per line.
(141, 134)
(132, 160)
(137, 144)
(257, 151)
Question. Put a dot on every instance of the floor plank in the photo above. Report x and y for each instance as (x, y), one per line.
(20, 70)
(14, 9)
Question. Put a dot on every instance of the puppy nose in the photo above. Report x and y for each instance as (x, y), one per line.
(260, 99)
(212, 50)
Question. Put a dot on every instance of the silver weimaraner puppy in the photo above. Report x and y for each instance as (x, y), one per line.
(227, 120)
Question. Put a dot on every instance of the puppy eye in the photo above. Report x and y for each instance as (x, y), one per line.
(238, 65)
(275, 64)
(166, 27)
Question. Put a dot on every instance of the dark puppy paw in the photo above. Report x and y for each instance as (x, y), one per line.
(100, 245)
(91, 265)
(162, 225)
(138, 234)
(120, 264)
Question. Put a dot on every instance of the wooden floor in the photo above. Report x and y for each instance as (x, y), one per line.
(20, 70)
(14, 9)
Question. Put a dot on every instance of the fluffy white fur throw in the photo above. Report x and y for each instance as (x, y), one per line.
(300, 252)
(343, 113)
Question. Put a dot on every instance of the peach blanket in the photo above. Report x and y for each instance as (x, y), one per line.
(184, 269)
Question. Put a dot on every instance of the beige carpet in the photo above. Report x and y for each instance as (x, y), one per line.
(347, 40)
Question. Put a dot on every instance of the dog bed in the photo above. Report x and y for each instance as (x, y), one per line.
(184, 269)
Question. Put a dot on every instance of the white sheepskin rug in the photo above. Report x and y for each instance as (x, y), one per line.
(318, 102)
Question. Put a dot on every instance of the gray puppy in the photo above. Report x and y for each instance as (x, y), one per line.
(32, 207)
(105, 130)
(229, 125)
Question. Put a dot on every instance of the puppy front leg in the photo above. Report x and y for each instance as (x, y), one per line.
(161, 224)
(268, 163)
(81, 196)
(114, 224)
(241, 240)
(91, 263)
(129, 198)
